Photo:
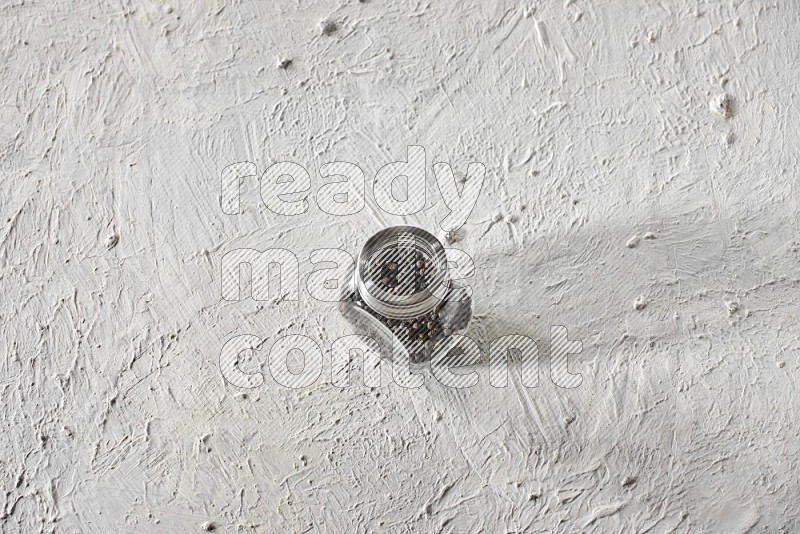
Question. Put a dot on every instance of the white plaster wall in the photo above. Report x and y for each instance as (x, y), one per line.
(597, 122)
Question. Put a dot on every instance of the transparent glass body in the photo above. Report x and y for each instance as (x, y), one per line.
(401, 294)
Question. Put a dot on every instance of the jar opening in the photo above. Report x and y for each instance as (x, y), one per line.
(402, 272)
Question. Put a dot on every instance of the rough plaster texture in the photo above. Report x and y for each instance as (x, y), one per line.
(641, 190)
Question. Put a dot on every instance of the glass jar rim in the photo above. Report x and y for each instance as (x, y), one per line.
(396, 306)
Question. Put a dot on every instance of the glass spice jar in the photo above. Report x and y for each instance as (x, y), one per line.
(401, 291)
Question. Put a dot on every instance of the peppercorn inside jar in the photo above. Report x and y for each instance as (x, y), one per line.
(401, 291)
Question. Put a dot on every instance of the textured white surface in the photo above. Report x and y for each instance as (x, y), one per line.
(598, 122)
